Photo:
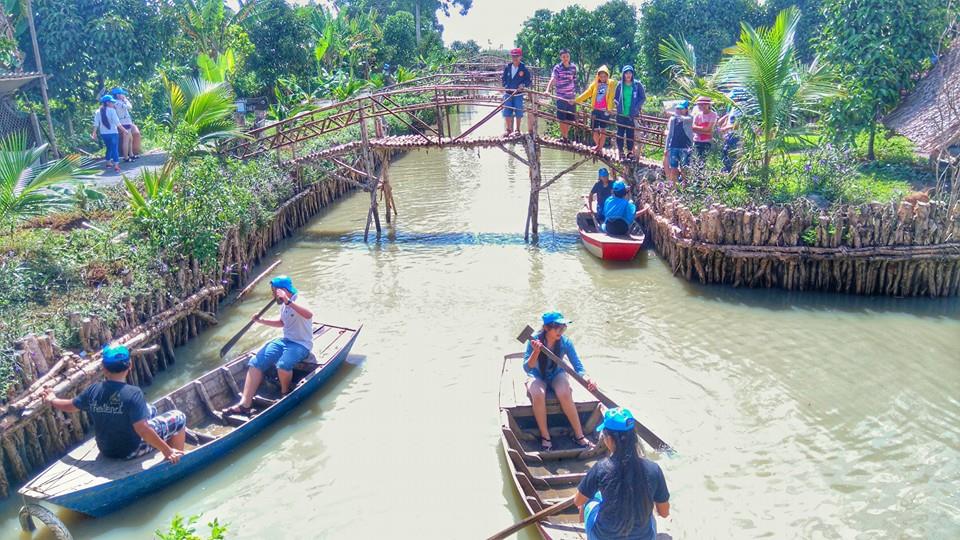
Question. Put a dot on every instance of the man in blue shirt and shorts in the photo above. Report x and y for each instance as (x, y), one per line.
(516, 76)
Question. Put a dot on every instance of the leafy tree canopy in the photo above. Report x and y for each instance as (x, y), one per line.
(877, 46)
(605, 35)
(87, 44)
(280, 44)
(709, 25)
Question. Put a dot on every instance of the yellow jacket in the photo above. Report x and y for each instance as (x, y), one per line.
(590, 94)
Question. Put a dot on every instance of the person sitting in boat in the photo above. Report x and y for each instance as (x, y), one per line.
(283, 352)
(619, 211)
(619, 493)
(602, 189)
(124, 424)
(543, 372)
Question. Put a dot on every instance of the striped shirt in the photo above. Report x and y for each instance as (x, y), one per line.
(565, 78)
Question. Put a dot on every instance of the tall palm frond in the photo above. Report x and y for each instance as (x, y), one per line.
(25, 182)
(206, 107)
(681, 59)
(781, 92)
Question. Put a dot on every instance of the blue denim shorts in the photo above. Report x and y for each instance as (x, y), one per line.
(513, 107)
(679, 157)
(280, 352)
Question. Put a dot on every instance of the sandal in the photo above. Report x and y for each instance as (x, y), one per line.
(584, 442)
(546, 444)
(238, 410)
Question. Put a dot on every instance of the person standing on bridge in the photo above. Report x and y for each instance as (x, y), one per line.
(600, 95)
(515, 78)
(629, 99)
(565, 77)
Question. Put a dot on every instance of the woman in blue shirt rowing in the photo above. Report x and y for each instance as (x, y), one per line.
(543, 373)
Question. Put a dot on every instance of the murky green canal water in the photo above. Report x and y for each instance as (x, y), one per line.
(795, 415)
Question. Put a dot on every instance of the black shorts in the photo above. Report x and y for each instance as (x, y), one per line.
(599, 120)
(566, 112)
(616, 227)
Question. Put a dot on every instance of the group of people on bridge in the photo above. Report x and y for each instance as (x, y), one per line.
(613, 103)
(616, 105)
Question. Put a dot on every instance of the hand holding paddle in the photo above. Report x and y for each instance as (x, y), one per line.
(233, 341)
(648, 436)
(530, 520)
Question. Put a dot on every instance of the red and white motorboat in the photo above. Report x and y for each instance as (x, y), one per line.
(604, 246)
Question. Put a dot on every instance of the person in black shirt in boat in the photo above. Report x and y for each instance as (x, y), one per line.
(124, 424)
(618, 495)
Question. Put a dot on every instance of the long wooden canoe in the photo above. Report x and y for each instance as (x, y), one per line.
(545, 478)
(605, 246)
(88, 483)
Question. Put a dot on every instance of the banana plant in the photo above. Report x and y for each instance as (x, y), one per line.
(216, 70)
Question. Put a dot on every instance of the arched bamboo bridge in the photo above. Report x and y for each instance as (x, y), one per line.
(364, 162)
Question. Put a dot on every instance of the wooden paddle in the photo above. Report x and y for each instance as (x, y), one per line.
(546, 512)
(648, 436)
(255, 280)
(233, 341)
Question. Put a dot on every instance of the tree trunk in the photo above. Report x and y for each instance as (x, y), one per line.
(416, 14)
(873, 134)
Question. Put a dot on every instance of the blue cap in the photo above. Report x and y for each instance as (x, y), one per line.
(618, 419)
(603, 172)
(683, 105)
(554, 317)
(107, 98)
(627, 68)
(283, 282)
(116, 358)
(619, 187)
(117, 91)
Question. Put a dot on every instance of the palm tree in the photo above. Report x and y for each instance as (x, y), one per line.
(781, 92)
(209, 23)
(200, 115)
(25, 183)
(681, 60)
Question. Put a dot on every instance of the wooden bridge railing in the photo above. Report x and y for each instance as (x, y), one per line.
(403, 102)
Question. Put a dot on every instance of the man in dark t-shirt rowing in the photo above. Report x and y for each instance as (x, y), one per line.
(124, 424)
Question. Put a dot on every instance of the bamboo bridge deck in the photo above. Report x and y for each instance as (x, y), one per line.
(365, 162)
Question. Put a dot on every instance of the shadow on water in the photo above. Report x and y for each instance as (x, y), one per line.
(83, 526)
(776, 299)
(549, 242)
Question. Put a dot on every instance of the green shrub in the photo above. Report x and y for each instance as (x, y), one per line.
(181, 529)
(887, 147)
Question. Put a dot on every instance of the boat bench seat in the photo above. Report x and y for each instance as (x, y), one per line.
(307, 364)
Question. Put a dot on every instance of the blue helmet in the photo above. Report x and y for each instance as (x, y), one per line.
(283, 282)
(618, 419)
(619, 187)
(554, 317)
(116, 358)
(107, 98)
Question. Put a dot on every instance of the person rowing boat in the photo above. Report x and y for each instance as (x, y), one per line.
(283, 352)
(542, 372)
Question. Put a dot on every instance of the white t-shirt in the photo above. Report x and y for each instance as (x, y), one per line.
(123, 112)
(112, 118)
(296, 328)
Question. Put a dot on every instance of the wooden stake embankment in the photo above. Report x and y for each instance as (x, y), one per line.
(151, 324)
(900, 249)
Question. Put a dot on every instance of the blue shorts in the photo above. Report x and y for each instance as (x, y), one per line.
(280, 352)
(600, 120)
(513, 107)
(566, 111)
(679, 157)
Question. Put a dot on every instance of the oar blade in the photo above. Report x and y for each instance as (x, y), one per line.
(525, 335)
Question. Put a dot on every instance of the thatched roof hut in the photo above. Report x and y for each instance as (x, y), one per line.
(930, 115)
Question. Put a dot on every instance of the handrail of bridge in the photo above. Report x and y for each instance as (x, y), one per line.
(340, 115)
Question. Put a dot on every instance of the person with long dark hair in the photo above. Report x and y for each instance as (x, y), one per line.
(544, 373)
(106, 123)
(618, 495)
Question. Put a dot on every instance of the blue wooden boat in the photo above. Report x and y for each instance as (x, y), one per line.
(88, 483)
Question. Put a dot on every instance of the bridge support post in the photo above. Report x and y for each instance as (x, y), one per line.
(372, 178)
(532, 230)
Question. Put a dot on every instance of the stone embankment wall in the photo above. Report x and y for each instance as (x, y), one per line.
(890, 249)
(33, 434)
